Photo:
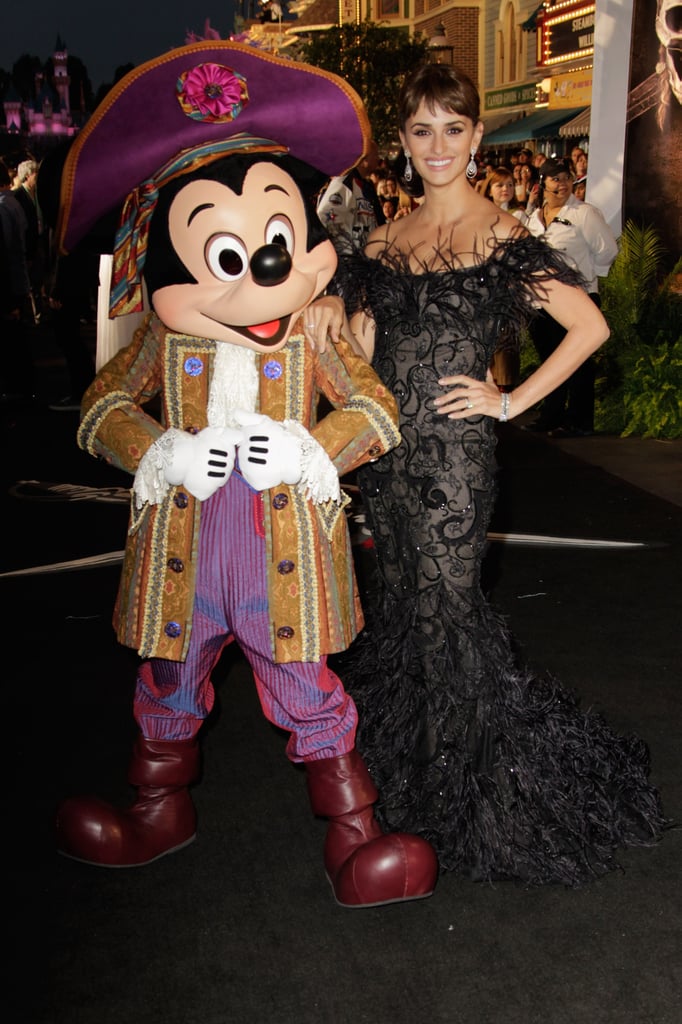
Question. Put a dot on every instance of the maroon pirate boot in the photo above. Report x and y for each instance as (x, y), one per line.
(161, 820)
(366, 867)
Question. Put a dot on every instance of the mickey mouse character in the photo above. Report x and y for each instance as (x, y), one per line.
(237, 526)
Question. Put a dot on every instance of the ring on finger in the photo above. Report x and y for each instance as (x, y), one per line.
(470, 404)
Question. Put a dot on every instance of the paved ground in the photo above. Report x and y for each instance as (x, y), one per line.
(653, 465)
(240, 927)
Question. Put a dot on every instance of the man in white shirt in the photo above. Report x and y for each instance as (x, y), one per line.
(579, 231)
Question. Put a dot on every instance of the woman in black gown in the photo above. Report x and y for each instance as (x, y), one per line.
(502, 771)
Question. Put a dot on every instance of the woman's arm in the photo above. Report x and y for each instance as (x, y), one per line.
(586, 330)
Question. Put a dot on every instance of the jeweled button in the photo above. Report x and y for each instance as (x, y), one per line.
(285, 632)
(193, 366)
(280, 501)
(176, 565)
(285, 567)
(172, 629)
(181, 500)
(273, 369)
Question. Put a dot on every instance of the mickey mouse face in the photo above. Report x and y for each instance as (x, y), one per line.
(247, 255)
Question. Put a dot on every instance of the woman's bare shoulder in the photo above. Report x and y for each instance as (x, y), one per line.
(382, 236)
(500, 225)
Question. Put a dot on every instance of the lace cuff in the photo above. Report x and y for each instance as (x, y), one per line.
(319, 479)
(150, 484)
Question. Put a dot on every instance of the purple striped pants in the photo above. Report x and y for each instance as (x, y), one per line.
(307, 699)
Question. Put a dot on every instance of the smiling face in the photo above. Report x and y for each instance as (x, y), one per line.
(247, 255)
(558, 188)
(502, 191)
(440, 143)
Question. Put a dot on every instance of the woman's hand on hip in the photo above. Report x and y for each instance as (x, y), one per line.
(467, 396)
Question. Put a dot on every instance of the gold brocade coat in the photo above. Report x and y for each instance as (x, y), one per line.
(314, 608)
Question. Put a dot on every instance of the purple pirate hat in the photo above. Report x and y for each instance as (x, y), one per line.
(198, 94)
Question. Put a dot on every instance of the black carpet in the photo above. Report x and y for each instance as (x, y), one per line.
(241, 927)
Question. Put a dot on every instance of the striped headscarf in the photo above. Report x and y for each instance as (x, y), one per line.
(130, 247)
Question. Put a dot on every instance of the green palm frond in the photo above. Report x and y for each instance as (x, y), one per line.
(633, 278)
(639, 368)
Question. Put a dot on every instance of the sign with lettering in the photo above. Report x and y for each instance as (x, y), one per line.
(512, 96)
(565, 32)
(573, 89)
(349, 12)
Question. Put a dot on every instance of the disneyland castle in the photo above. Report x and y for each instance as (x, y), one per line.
(39, 121)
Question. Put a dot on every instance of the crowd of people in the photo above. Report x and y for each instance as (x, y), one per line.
(383, 183)
(524, 167)
(384, 197)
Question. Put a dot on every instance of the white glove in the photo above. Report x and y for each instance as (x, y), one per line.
(269, 454)
(203, 462)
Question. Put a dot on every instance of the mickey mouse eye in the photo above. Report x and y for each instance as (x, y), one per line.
(280, 232)
(226, 257)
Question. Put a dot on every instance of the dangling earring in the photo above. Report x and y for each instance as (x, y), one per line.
(472, 166)
(407, 173)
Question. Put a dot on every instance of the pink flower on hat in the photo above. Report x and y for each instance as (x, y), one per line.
(212, 92)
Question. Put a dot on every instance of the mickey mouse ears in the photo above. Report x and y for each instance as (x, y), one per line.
(195, 95)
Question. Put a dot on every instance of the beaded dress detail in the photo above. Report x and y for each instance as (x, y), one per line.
(500, 770)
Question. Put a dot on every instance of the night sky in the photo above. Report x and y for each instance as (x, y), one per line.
(108, 35)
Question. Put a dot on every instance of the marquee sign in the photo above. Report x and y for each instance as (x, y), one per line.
(565, 32)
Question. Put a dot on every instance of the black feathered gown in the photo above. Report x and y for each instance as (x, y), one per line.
(502, 771)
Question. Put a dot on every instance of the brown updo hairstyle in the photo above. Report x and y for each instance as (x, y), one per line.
(436, 85)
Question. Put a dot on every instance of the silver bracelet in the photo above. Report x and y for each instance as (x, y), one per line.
(504, 406)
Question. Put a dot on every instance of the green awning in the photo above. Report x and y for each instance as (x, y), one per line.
(531, 23)
(543, 124)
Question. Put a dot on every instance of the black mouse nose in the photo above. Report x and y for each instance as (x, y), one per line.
(271, 264)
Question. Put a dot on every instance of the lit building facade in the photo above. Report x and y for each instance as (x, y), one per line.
(46, 116)
(532, 64)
